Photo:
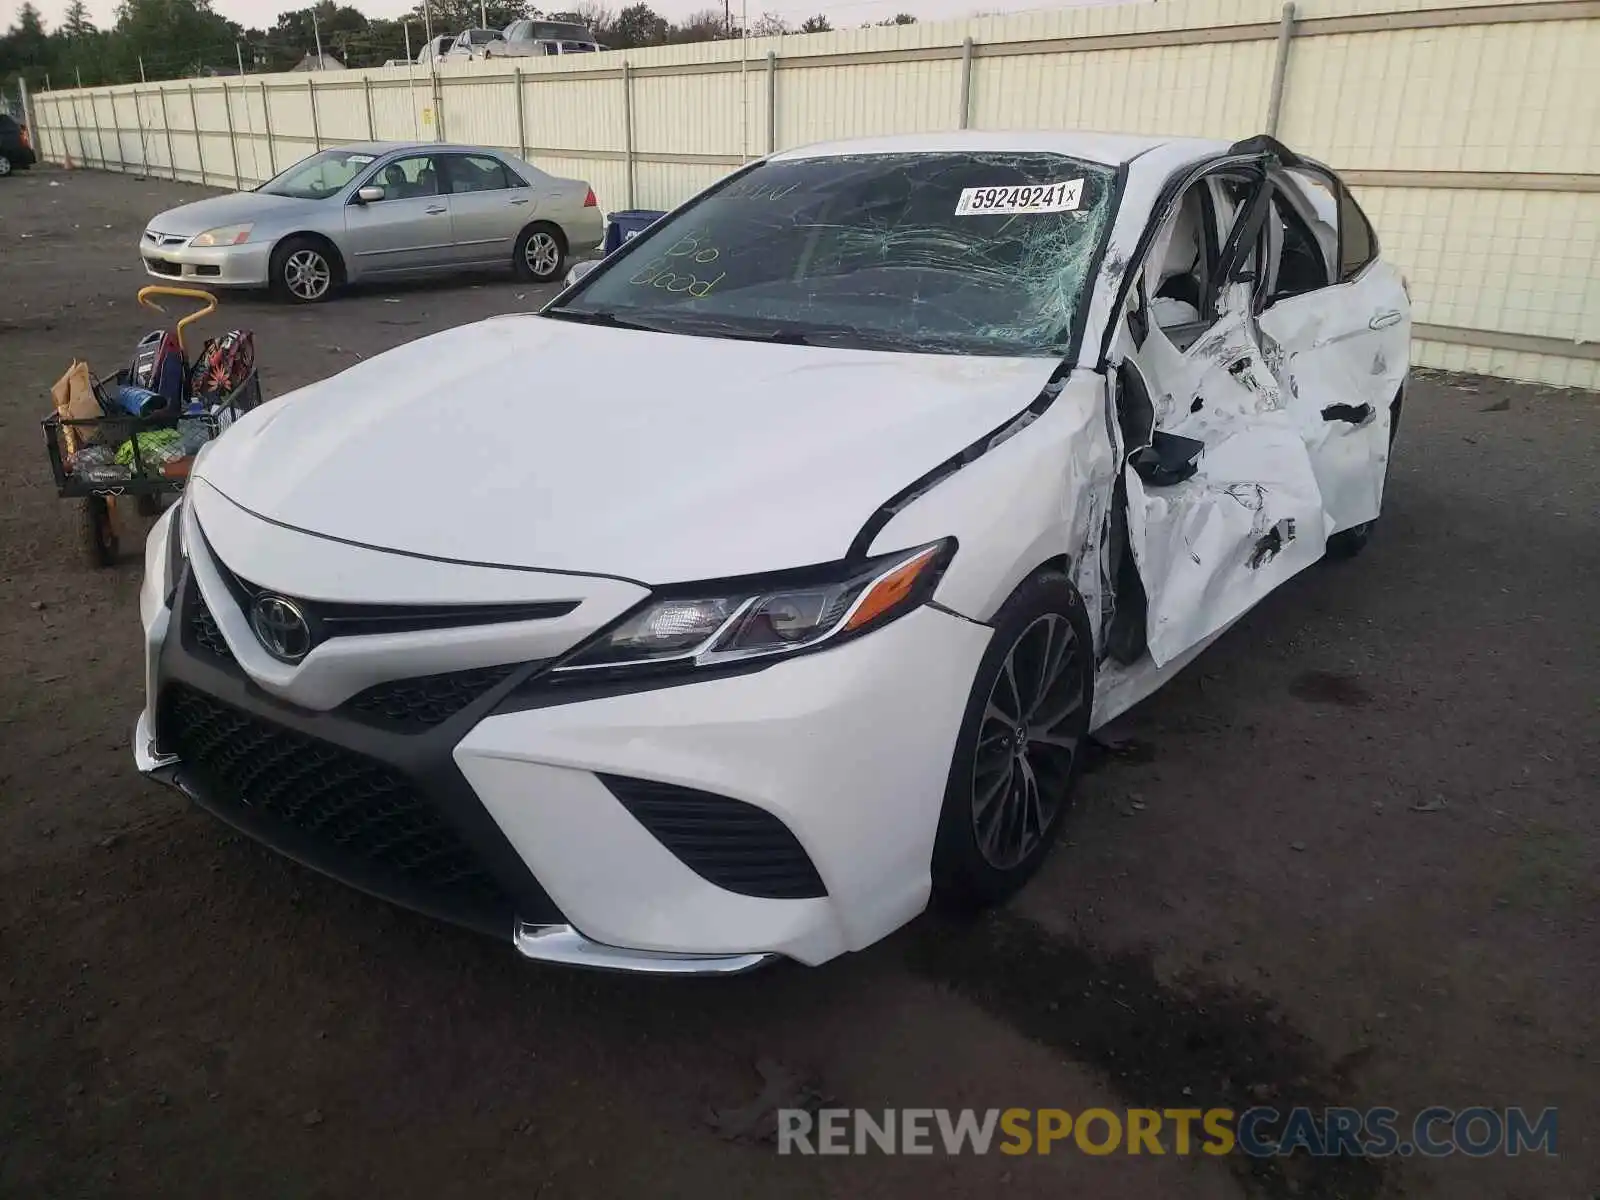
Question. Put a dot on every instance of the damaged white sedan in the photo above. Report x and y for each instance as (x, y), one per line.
(769, 582)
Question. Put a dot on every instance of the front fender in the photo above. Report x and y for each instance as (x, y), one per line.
(1039, 496)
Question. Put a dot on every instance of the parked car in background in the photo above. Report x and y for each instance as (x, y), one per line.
(436, 50)
(16, 153)
(770, 580)
(472, 44)
(377, 211)
(533, 38)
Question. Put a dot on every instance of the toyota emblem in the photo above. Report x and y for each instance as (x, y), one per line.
(281, 628)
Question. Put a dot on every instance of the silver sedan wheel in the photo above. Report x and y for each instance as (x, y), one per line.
(307, 275)
(1027, 742)
(5, 165)
(542, 254)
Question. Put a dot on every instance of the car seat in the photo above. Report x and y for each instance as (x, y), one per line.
(393, 182)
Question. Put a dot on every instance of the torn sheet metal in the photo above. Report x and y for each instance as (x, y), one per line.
(1212, 547)
(1341, 355)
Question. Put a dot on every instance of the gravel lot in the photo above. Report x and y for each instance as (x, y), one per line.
(1350, 857)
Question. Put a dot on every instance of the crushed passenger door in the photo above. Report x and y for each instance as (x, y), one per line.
(1223, 504)
(1340, 352)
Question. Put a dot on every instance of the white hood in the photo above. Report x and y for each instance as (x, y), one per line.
(529, 442)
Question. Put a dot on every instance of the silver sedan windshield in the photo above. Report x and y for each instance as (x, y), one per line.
(319, 176)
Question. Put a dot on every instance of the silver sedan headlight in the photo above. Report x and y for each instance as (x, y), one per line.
(224, 235)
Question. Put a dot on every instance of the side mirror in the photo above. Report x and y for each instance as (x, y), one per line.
(370, 194)
(579, 270)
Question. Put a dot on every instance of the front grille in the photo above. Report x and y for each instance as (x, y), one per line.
(341, 807)
(161, 267)
(203, 629)
(412, 705)
(732, 844)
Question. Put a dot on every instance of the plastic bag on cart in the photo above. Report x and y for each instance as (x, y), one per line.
(97, 464)
(156, 448)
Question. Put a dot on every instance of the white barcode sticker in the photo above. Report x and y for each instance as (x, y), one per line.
(1023, 198)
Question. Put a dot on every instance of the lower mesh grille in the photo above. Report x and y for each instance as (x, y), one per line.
(203, 628)
(347, 808)
(732, 844)
(412, 705)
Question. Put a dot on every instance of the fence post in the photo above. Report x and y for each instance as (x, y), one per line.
(266, 121)
(99, 142)
(166, 128)
(966, 84)
(772, 101)
(27, 114)
(316, 131)
(233, 144)
(522, 116)
(627, 123)
(199, 147)
(144, 145)
(366, 88)
(1280, 69)
(77, 130)
(116, 132)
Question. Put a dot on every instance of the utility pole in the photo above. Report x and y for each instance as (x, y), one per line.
(744, 90)
(727, 18)
(76, 71)
(406, 25)
(142, 79)
(316, 31)
(483, 15)
(239, 54)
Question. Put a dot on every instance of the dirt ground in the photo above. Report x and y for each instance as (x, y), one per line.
(1350, 857)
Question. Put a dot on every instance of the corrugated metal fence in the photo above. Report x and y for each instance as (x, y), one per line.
(1468, 129)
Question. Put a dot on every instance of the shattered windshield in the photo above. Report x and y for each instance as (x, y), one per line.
(953, 253)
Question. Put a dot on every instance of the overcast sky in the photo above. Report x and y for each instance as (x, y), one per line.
(261, 14)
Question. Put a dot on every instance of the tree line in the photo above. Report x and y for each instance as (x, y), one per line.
(178, 39)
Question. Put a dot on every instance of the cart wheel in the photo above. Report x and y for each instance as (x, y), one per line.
(100, 544)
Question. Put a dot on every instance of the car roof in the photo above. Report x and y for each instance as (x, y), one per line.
(378, 149)
(1111, 149)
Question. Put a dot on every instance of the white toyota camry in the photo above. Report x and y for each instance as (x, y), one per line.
(769, 582)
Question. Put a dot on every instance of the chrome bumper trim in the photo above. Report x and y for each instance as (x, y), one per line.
(565, 945)
(145, 755)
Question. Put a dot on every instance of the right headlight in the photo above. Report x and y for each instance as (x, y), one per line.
(224, 235)
(764, 619)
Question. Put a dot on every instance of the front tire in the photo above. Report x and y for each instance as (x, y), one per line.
(541, 253)
(303, 271)
(1019, 749)
(5, 166)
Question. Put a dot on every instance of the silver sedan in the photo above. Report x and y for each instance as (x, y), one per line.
(378, 211)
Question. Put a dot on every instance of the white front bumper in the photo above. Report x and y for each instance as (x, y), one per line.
(850, 748)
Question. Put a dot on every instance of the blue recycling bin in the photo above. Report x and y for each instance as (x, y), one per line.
(628, 224)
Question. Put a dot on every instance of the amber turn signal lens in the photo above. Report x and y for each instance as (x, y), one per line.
(890, 590)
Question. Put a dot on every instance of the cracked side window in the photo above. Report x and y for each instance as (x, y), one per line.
(955, 253)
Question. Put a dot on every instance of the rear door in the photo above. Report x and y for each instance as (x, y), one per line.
(409, 229)
(1221, 503)
(489, 205)
(1336, 328)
